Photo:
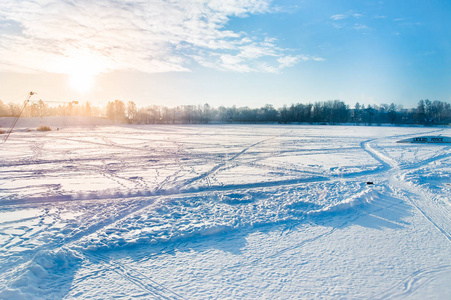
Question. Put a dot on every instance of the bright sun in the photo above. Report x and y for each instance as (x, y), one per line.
(82, 69)
(81, 83)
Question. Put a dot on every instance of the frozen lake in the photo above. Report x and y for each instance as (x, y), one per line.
(225, 212)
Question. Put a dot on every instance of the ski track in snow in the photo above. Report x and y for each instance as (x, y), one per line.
(414, 282)
(153, 288)
(142, 197)
(415, 196)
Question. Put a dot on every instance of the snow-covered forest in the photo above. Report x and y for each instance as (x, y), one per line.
(326, 112)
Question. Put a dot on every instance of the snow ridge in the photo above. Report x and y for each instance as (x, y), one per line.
(38, 278)
(181, 218)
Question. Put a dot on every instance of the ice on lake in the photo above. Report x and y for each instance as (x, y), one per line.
(225, 211)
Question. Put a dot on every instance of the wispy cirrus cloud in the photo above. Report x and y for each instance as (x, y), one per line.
(343, 21)
(339, 17)
(148, 36)
(358, 26)
(345, 16)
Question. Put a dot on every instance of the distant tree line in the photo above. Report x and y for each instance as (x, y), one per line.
(42, 109)
(322, 112)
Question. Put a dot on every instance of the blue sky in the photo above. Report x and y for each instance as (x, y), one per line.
(236, 52)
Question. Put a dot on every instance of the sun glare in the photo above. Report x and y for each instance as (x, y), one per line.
(81, 83)
(82, 70)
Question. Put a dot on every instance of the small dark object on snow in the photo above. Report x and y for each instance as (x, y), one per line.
(369, 182)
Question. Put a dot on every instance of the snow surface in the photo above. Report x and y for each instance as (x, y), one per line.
(224, 212)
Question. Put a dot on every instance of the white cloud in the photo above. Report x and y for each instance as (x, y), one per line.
(344, 20)
(288, 61)
(149, 36)
(255, 50)
(316, 58)
(233, 63)
(339, 17)
(360, 26)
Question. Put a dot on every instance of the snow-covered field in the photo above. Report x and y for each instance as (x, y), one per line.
(225, 212)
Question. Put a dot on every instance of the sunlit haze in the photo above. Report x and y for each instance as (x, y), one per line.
(82, 70)
(241, 52)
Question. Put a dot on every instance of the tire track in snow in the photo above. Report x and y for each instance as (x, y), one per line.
(413, 192)
(413, 282)
(173, 178)
(103, 144)
(218, 166)
(167, 193)
(429, 160)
